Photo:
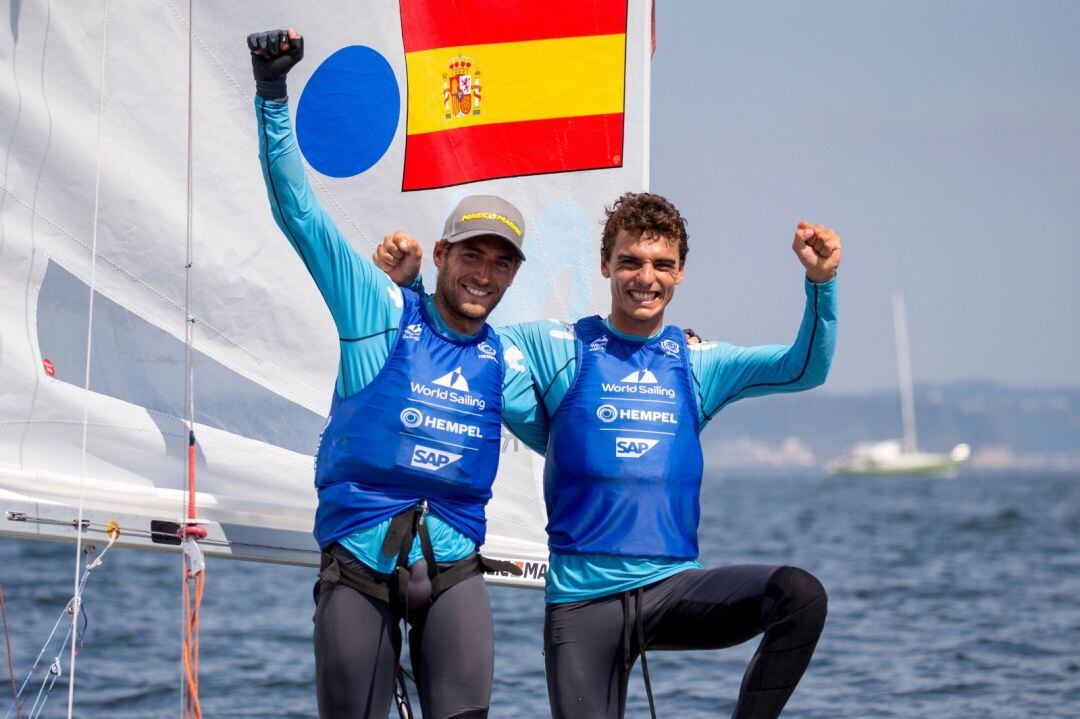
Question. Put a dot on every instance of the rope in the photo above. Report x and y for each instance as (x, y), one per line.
(194, 584)
(193, 564)
(77, 599)
(401, 693)
(76, 609)
(11, 666)
(34, 666)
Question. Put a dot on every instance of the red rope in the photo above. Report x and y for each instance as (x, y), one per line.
(11, 666)
(191, 642)
(193, 594)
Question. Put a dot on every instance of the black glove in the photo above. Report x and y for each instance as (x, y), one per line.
(270, 64)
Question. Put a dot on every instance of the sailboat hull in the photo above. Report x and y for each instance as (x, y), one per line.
(148, 520)
(943, 468)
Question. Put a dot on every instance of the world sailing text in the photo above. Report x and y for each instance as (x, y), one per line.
(447, 395)
(639, 389)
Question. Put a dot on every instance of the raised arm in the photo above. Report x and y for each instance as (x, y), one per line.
(350, 285)
(727, 373)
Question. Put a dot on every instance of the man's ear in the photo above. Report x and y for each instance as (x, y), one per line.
(604, 269)
(442, 248)
(514, 276)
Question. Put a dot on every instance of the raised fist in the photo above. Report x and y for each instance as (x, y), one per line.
(273, 54)
(818, 249)
(399, 257)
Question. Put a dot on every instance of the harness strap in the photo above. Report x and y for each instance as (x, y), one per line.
(624, 600)
(637, 629)
(401, 529)
(641, 647)
(335, 572)
(495, 566)
(429, 556)
(408, 523)
(404, 528)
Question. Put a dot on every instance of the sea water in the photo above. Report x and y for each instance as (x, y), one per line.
(947, 598)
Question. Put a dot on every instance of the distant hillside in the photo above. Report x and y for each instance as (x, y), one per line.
(1007, 427)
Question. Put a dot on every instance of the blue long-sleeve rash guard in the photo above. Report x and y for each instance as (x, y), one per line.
(366, 307)
(722, 374)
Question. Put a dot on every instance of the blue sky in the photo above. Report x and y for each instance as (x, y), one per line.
(942, 140)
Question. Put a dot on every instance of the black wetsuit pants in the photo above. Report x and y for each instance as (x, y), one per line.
(358, 643)
(590, 646)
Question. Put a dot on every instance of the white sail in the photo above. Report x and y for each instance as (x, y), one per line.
(903, 366)
(265, 348)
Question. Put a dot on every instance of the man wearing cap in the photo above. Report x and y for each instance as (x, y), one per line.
(408, 456)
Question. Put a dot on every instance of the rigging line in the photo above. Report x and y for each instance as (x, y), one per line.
(192, 566)
(186, 495)
(43, 692)
(77, 599)
(34, 666)
(53, 672)
(189, 319)
(54, 666)
(11, 666)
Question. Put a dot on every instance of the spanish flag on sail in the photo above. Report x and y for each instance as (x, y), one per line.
(504, 88)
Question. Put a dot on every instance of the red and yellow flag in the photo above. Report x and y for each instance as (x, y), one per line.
(503, 88)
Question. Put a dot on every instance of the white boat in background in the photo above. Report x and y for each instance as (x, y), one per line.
(890, 457)
(901, 456)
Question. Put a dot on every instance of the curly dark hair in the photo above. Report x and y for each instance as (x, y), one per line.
(644, 214)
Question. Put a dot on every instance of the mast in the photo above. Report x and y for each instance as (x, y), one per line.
(903, 363)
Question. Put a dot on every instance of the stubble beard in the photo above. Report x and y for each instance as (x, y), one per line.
(452, 297)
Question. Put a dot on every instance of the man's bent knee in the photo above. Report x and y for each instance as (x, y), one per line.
(796, 593)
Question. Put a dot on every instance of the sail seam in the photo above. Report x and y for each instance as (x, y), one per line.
(507, 489)
(512, 522)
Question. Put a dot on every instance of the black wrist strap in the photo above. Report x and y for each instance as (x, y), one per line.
(273, 90)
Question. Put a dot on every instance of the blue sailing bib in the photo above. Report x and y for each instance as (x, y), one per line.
(427, 428)
(624, 463)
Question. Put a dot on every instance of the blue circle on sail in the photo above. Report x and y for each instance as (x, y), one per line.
(348, 112)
